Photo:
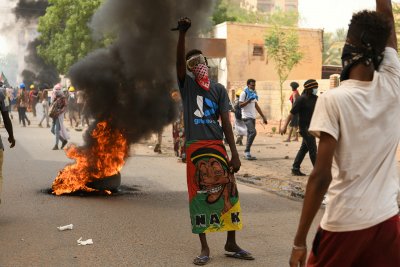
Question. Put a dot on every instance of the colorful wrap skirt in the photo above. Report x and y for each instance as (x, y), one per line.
(213, 195)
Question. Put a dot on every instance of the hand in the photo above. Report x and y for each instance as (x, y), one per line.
(184, 24)
(265, 120)
(282, 131)
(234, 164)
(11, 140)
(298, 258)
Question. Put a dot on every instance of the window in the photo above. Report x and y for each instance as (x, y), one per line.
(258, 50)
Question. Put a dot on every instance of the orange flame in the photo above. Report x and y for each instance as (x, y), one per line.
(103, 158)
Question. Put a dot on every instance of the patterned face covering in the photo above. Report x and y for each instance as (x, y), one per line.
(200, 72)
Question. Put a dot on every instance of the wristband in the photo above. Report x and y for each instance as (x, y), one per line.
(299, 247)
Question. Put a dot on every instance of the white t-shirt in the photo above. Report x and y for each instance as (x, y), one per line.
(249, 111)
(364, 119)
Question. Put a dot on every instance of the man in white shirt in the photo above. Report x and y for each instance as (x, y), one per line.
(356, 165)
(248, 103)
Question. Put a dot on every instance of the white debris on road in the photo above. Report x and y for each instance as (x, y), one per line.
(84, 242)
(66, 227)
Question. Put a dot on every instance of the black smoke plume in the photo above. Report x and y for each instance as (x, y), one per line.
(36, 69)
(30, 10)
(129, 83)
(44, 75)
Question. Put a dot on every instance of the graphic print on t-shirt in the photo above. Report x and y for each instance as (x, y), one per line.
(206, 111)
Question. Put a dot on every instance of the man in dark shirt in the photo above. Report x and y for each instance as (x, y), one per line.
(213, 197)
(9, 129)
(304, 106)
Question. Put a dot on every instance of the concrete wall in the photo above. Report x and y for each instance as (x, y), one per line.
(241, 64)
(269, 95)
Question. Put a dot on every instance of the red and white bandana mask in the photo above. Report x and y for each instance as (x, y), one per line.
(200, 72)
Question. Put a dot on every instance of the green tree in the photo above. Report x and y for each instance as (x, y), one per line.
(64, 33)
(396, 14)
(230, 10)
(282, 45)
(333, 44)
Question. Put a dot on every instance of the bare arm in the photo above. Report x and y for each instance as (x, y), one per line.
(282, 130)
(385, 7)
(245, 103)
(317, 185)
(183, 25)
(261, 113)
(227, 128)
(9, 128)
(180, 57)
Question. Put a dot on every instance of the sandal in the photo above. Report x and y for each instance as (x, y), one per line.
(201, 260)
(242, 254)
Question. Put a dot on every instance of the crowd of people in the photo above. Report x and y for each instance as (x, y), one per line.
(49, 106)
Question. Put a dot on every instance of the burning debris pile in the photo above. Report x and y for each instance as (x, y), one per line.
(127, 84)
(103, 158)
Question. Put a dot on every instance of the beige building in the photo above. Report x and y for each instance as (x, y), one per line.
(247, 57)
(237, 53)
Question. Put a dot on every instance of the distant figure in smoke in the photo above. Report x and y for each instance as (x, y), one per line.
(45, 105)
(33, 99)
(79, 102)
(22, 105)
(213, 197)
(9, 129)
(178, 129)
(72, 106)
(57, 110)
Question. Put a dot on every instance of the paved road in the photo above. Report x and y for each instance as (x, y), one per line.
(147, 227)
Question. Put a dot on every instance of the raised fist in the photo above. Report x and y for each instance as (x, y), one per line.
(184, 24)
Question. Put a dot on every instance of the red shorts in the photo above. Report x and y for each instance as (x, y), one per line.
(377, 246)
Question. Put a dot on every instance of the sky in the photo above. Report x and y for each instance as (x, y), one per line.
(331, 15)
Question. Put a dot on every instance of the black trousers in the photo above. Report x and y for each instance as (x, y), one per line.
(307, 145)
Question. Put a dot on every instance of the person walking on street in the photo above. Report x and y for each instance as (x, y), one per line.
(294, 122)
(248, 103)
(57, 110)
(9, 129)
(22, 105)
(72, 107)
(33, 99)
(304, 107)
(240, 126)
(359, 131)
(213, 196)
(45, 104)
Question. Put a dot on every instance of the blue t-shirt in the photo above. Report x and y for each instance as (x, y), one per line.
(202, 109)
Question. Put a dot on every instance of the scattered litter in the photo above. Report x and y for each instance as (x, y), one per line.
(66, 227)
(84, 242)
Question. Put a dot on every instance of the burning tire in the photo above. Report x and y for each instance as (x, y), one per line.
(111, 183)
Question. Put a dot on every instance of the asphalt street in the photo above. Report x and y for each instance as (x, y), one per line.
(146, 225)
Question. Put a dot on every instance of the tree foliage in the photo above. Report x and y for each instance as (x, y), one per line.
(333, 45)
(282, 45)
(64, 32)
(396, 14)
(230, 10)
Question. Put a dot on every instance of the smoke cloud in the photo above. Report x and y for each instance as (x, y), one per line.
(36, 69)
(129, 83)
(30, 10)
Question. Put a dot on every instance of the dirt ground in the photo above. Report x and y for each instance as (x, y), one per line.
(272, 169)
